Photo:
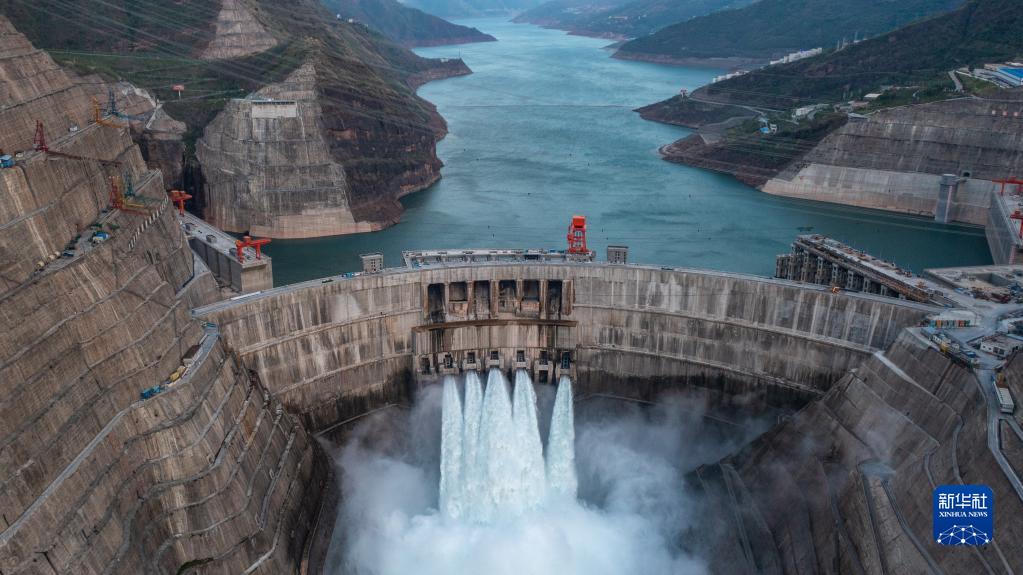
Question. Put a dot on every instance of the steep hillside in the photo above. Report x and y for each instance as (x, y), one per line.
(93, 479)
(471, 8)
(622, 20)
(772, 28)
(978, 32)
(404, 25)
(364, 110)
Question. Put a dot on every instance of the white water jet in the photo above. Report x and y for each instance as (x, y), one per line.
(498, 494)
(528, 447)
(561, 475)
(492, 462)
(451, 484)
(472, 474)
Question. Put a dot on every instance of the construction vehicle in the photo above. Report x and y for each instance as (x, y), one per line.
(151, 392)
(1005, 403)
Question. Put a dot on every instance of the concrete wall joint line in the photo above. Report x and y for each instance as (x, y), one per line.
(706, 363)
(746, 324)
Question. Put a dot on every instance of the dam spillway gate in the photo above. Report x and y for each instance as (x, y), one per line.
(509, 324)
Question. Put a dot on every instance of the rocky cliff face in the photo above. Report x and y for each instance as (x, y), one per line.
(210, 473)
(162, 145)
(846, 485)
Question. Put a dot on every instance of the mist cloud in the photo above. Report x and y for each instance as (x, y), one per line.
(633, 516)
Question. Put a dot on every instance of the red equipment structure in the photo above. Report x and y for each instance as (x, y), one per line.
(577, 236)
(39, 143)
(248, 242)
(179, 197)
(1018, 215)
(1010, 181)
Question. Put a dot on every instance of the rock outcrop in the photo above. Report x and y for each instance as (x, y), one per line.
(163, 147)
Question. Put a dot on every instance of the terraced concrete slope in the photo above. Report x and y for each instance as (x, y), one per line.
(846, 485)
(210, 473)
(42, 90)
(894, 158)
(268, 168)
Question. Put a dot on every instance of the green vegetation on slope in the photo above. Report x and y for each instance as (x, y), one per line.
(404, 25)
(772, 28)
(155, 44)
(466, 8)
(629, 20)
(920, 54)
(690, 113)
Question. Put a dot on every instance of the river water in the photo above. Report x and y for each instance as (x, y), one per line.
(544, 129)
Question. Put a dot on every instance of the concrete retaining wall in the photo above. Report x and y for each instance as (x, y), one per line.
(910, 193)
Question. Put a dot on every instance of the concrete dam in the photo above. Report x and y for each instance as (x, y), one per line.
(326, 349)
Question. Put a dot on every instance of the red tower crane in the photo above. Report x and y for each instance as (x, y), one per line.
(577, 236)
(1018, 215)
(179, 197)
(39, 143)
(248, 242)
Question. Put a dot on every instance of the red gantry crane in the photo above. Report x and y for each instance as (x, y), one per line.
(577, 236)
(1018, 215)
(179, 197)
(1010, 181)
(248, 242)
